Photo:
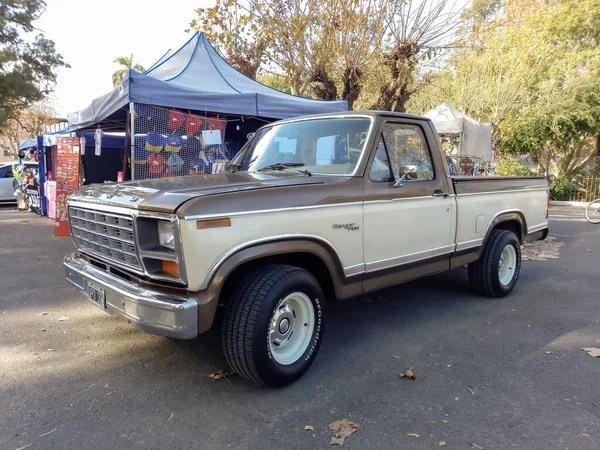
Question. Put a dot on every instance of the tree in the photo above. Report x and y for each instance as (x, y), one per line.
(30, 122)
(27, 66)
(126, 64)
(532, 69)
(327, 48)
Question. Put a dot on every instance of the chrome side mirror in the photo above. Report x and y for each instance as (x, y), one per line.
(411, 175)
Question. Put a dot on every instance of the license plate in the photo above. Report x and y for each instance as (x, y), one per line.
(97, 295)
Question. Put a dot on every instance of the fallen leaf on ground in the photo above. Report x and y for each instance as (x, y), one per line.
(448, 365)
(588, 250)
(585, 435)
(170, 417)
(408, 374)
(442, 444)
(415, 435)
(548, 353)
(220, 374)
(309, 428)
(43, 329)
(342, 428)
(50, 349)
(592, 351)
(396, 356)
(445, 421)
(43, 314)
(476, 447)
(62, 319)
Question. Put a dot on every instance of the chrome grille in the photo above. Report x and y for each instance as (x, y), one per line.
(108, 236)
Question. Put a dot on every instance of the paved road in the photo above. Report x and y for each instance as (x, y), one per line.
(499, 373)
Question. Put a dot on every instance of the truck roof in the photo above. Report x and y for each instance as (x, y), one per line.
(370, 113)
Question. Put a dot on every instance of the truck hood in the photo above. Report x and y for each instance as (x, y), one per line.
(167, 194)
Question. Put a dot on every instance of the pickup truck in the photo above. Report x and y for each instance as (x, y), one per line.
(311, 209)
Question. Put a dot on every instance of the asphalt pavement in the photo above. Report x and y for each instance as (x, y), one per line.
(497, 373)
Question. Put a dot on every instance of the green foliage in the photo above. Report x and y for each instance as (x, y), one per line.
(126, 64)
(561, 187)
(530, 67)
(513, 168)
(26, 66)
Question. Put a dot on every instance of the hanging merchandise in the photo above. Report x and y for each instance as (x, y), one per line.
(156, 163)
(192, 124)
(140, 152)
(174, 143)
(197, 166)
(154, 142)
(174, 164)
(98, 141)
(176, 119)
(214, 123)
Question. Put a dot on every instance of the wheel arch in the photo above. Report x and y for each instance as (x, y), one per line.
(312, 254)
(513, 220)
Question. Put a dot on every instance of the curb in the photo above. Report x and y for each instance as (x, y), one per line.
(560, 203)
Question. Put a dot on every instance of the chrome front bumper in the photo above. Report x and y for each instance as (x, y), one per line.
(150, 311)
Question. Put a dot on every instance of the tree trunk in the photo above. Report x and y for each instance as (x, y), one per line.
(324, 87)
(351, 86)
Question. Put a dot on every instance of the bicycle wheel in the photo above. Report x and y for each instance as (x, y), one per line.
(592, 211)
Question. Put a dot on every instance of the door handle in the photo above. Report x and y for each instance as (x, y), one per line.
(439, 193)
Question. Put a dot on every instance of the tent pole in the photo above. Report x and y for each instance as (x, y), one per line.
(132, 139)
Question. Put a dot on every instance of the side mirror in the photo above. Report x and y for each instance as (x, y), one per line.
(410, 175)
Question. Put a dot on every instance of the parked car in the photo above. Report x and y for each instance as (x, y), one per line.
(282, 230)
(7, 188)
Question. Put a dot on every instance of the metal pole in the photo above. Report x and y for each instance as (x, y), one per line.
(132, 138)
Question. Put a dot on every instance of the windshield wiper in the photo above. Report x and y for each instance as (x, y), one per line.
(305, 172)
(280, 166)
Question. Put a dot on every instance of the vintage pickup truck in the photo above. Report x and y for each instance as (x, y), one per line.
(311, 209)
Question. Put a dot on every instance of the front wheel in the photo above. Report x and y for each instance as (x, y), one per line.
(496, 272)
(273, 325)
(592, 212)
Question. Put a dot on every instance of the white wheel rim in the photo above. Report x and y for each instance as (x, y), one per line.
(291, 328)
(507, 265)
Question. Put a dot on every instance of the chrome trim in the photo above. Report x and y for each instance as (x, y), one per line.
(539, 227)
(265, 211)
(139, 253)
(409, 258)
(468, 244)
(400, 199)
(332, 116)
(241, 246)
(356, 269)
(151, 311)
(503, 192)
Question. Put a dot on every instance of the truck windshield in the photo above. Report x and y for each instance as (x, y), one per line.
(328, 146)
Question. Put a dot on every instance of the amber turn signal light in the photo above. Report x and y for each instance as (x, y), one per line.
(213, 223)
(170, 267)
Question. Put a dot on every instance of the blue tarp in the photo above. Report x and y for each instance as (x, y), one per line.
(108, 140)
(196, 77)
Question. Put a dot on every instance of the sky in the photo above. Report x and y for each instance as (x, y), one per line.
(91, 34)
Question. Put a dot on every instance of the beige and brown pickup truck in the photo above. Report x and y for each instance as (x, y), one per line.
(311, 210)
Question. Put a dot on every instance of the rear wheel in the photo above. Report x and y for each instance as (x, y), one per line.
(592, 212)
(273, 326)
(496, 272)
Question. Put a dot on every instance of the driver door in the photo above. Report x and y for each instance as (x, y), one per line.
(409, 218)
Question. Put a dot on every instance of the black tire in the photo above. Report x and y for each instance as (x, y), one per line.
(246, 328)
(484, 273)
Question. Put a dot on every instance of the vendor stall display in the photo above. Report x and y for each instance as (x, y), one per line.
(190, 112)
(68, 152)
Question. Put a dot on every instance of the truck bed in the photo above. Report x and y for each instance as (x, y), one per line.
(478, 185)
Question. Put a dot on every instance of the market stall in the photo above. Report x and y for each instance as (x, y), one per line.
(467, 141)
(190, 112)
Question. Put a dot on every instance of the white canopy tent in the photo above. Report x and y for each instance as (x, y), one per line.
(475, 137)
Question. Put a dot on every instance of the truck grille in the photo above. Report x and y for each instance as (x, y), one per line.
(108, 236)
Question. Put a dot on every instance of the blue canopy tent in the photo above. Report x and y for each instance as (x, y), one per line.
(196, 77)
